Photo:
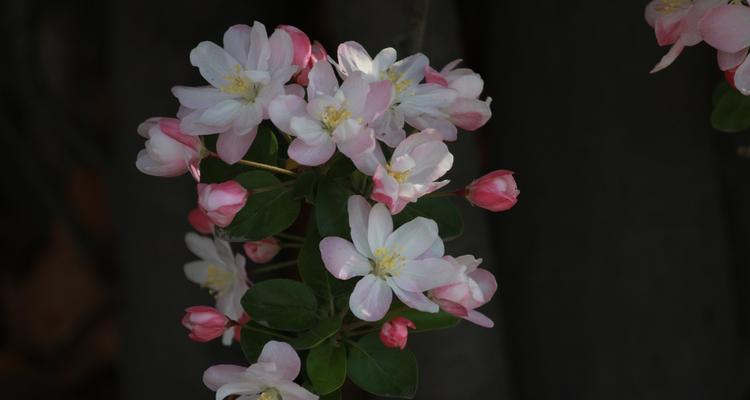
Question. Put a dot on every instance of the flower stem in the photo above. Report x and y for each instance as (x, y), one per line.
(260, 165)
(274, 267)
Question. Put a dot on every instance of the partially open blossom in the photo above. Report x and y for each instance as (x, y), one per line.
(412, 99)
(675, 23)
(271, 378)
(204, 323)
(262, 251)
(473, 289)
(221, 201)
(395, 332)
(405, 261)
(244, 76)
(415, 165)
(467, 111)
(305, 53)
(222, 272)
(496, 191)
(333, 116)
(169, 152)
(200, 221)
(727, 28)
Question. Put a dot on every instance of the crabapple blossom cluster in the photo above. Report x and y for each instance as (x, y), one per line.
(333, 167)
(723, 25)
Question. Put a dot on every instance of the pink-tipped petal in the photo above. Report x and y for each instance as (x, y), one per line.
(669, 58)
(727, 28)
(480, 319)
(342, 259)
(426, 274)
(231, 148)
(308, 155)
(370, 299)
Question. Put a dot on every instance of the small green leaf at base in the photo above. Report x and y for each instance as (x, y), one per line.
(731, 109)
(326, 367)
(282, 304)
(382, 371)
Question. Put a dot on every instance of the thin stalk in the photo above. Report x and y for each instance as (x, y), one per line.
(260, 165)
(274, 267)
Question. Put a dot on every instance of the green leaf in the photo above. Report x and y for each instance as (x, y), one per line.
(731, 109)
(264, 149)
(304, 186)
(331, 207)
(326, 367)
(425, 321)
(382, 371)
(332, 396)
(315, 336)
(266, 213)
(313, 271)
(439, 209)
(281, 304)
(252, 343)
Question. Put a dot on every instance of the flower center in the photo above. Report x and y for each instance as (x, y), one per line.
(270, 394)
(665, 7)
(217, 279)
(399, 176)
(333, 116)
(240, 85)
(388, 262)
(396, 78)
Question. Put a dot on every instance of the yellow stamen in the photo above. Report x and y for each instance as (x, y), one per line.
(333, 116)
(270, 394)
(240, 85)
(669, 6)
(217, 279)
(399, 176)
(388, 262)
(396, 78)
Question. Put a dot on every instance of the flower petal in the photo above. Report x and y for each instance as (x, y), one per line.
(728, 61)
(293, 391)
(426, 274)
(412, 67)
(479, 319)
(742, 77)
(199, 97)
(309, 155)
(379, 98)
(669, 58)
(231, 147)
(219, 375)
(239, 388)
(221, 114)
(413, 238)
(415, 300)
(727, 28)
(202, 247)
(283, 108)
(370, 299)
(213, 63)
(322, 80)
(260, 50)
(359, 213)
(342, 259)
(237, 41)
(284, 357)
(353, 57)
(379, 227)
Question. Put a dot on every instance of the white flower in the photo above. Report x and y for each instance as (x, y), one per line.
(244, 76)
(271, 378)
(221, 272)
(405, 261)
(412, 98)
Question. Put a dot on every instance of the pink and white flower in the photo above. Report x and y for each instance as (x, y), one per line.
(262, 251)
(306, 54)
(395, 333)
(727, 28)
(169, 152)
(473, 289)
(412, 100)
(222, 272)
(271, 378)
(200, 221)
(204, 323)
(334, 116)
(221, 201)
(244, 76)
(415, 165)
(405, 261)
(467, 111)
(675, 23)
(496, 191)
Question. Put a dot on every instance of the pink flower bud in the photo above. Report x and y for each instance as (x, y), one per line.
(496, 191)
(262, 251)
(205, 323)
(300, 43)
(221, 201)
(168, 151)
(394, 333)
(200, 221)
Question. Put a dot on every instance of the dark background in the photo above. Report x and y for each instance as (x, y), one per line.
(624, 270)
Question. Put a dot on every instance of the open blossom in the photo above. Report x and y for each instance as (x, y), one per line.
(271, 378)
(244, 76)
(262, 251)
(221, 272)
(405, 261)
(204, 323)
(334, 117)
(467, 111)
(727, 28)
(200, 221)
(496, 191)
(415, 165)
(675, 23)
(412, 99)
(169, 152)
(221, 201)
(395, 333)
(306, 54)
(473, 289)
